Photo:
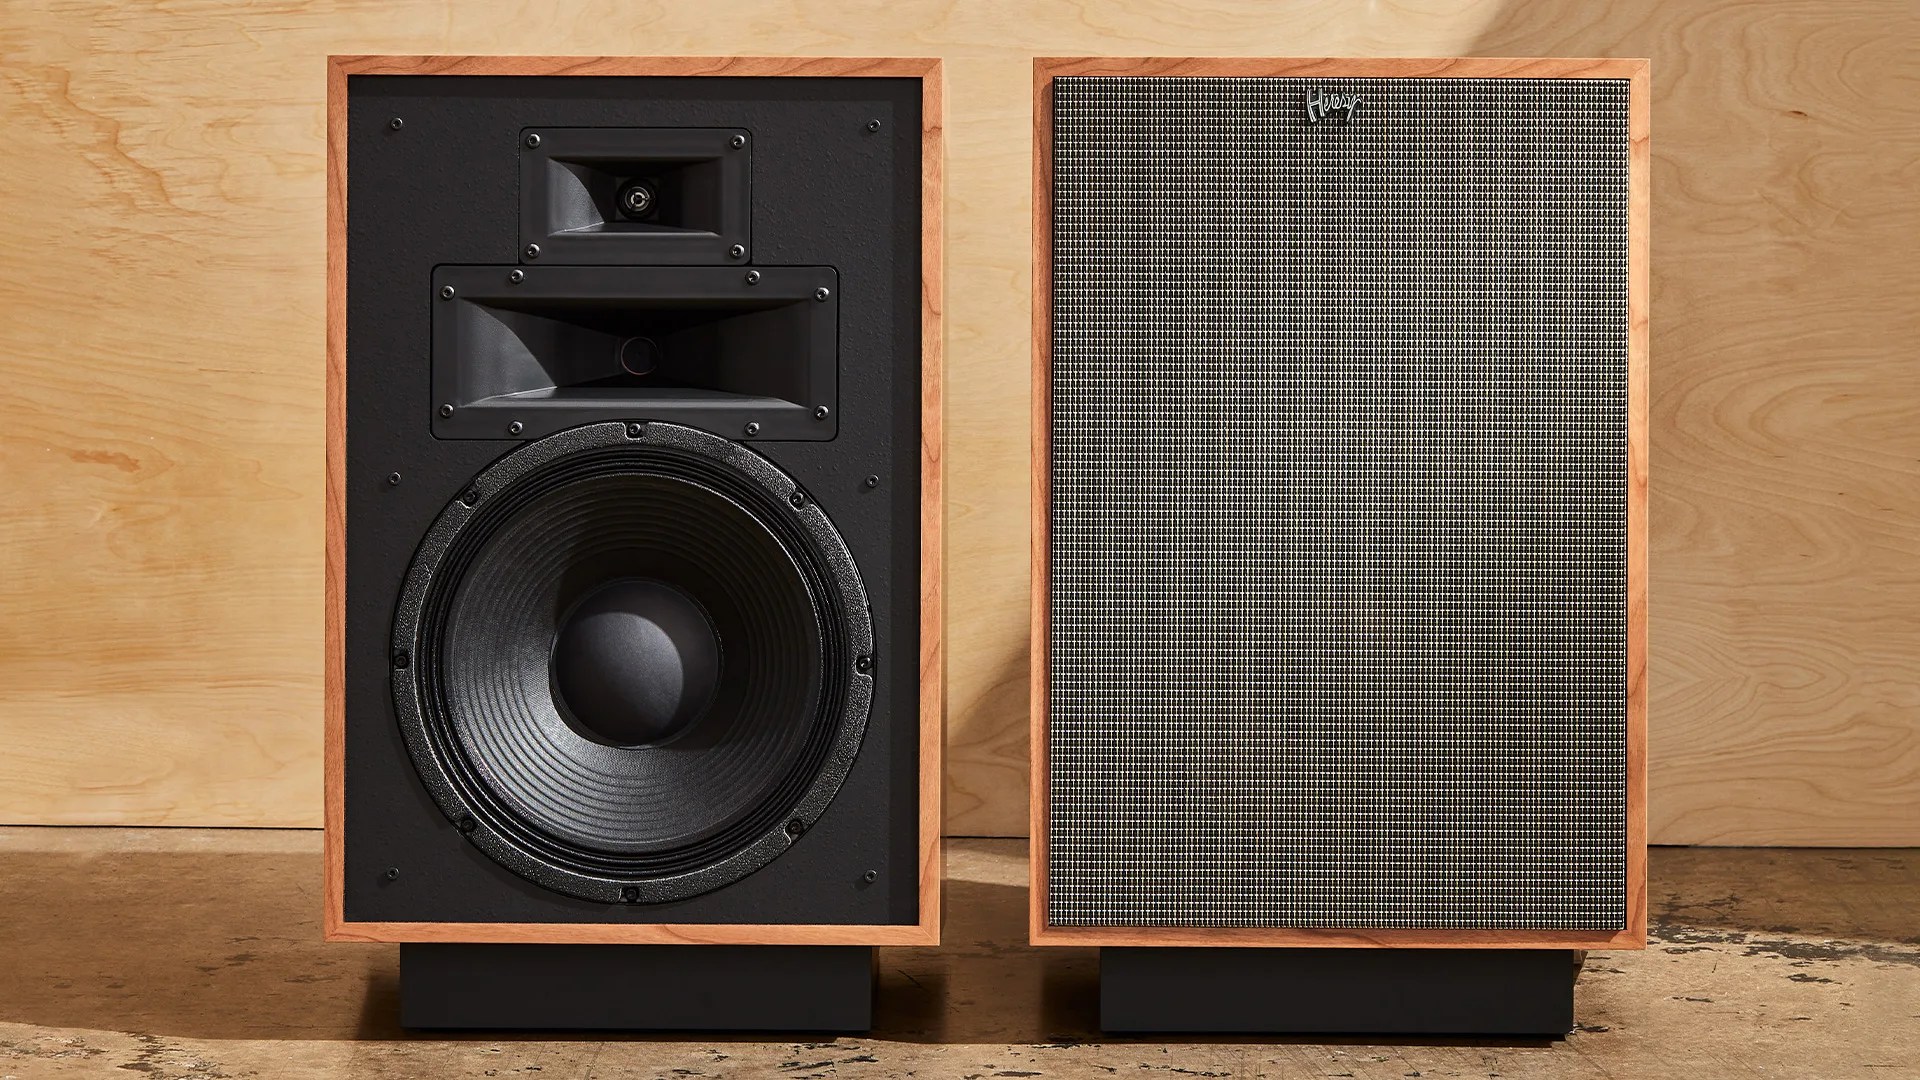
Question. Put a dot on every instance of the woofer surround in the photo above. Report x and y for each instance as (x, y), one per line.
(619, 519)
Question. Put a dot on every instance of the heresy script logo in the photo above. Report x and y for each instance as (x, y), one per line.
(1322, 105)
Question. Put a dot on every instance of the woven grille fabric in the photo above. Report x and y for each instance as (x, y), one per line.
(1339, 422)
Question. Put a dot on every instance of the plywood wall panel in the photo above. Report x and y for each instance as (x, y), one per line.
(161, 210)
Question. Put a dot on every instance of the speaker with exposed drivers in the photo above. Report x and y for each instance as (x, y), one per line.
(1340, 404)
(633, 534)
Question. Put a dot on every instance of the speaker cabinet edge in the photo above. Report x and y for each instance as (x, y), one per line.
(932, 659)
(1638, 74)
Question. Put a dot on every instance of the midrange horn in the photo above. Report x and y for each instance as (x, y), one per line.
(632, 662)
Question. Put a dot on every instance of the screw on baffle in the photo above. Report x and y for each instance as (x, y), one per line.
(753, 277)
(514, 428)
(393, 479)
(873, 481)
(516, 277)
(870, 876)
(873, 126)
(393, 872)
(752, 428)
(396, 123)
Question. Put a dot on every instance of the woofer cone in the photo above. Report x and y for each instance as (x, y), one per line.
(635, 662)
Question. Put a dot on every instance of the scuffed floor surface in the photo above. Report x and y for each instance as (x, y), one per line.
(183, 954)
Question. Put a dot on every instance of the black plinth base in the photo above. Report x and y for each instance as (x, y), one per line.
(1525, 992)
(638, 987)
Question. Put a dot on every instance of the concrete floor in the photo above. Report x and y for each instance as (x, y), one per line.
(196, 954)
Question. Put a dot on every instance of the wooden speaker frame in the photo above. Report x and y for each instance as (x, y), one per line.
(1636, 72)
(932, 518)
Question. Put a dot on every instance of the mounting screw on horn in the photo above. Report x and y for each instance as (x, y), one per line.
(446, 292)
(446, 411)
(821, 294)
(737, 141)
(533, 251)
(532, 140)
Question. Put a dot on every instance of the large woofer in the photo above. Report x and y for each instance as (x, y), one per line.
(632, 662)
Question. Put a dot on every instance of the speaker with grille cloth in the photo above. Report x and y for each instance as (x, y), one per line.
(1340, 514)
(633, 533)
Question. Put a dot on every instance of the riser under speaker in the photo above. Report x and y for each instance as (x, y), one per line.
(633, 550)
(1340, 518)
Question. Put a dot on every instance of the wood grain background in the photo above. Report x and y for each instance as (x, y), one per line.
(161, 310)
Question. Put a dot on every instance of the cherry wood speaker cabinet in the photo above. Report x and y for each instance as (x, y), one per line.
(633, 510)
(1339, 520)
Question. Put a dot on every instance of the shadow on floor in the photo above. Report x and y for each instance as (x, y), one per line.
(222, 945)
(226, 945)
(1854, 893)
